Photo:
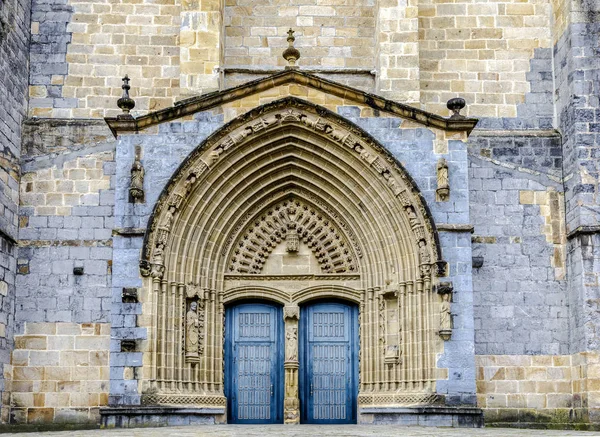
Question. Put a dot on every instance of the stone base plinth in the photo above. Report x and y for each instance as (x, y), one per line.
(460, 417)
(131, 417)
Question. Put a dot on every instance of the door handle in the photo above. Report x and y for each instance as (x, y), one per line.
(311, 389)
(271, 390)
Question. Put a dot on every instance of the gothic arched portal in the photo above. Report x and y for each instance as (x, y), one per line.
(290, 203)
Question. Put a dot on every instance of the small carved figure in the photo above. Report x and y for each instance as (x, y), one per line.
(443, 183)
(136, 187)
(423, 253)
(412, 216)
(169, 215)
(291, 343)
(382, 323)
(191, 333)
(157, 256)
(291, 239)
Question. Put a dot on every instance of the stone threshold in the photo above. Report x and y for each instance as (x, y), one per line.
(136, 416)
(442, 416)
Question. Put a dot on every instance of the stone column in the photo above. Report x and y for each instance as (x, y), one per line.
(291, 315)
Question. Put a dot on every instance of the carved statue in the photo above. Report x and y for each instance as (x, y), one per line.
(445, 317)
(412, 216)
(423, 253)
(136, 187)
(291, 343)
(443, 183)
(157, 256)
(169, 215)
(192, 326)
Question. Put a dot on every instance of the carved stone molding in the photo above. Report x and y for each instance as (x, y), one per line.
(289, 111)
(397, 399)
(333, 277)
(183, 399)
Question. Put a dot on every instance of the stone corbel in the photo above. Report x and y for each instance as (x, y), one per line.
(445, 289)
(291, 315)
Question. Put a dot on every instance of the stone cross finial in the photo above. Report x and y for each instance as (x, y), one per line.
(291, 54)
(126, 103)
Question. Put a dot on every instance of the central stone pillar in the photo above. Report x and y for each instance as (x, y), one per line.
(291, 315)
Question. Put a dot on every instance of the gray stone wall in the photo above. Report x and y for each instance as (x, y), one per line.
(66, 222)
(49, 57)
(14, 68)
(520, 299)
(160, 155)
(577, 78)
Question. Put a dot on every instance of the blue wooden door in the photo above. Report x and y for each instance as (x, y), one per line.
(254, 363)
(329, 363)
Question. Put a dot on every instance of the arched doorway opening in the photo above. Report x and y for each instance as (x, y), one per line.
(290, 203)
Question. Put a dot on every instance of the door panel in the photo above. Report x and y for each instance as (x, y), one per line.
(254, 363)
(329, 370)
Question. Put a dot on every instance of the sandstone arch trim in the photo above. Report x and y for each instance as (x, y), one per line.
(258, 122)
(254, 292)
(327, 292)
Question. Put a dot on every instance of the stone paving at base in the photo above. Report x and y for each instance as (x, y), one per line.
(310, 431)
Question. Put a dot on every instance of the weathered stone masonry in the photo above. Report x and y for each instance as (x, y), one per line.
(519, 230)
(14, 65)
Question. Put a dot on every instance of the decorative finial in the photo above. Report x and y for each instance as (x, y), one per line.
(291, 54)
(126, 103)
(455, 105)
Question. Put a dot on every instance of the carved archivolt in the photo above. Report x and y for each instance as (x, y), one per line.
(294, 174)
(289, 111)
(293, 221)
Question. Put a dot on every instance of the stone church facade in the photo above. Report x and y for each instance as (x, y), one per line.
(262, 226)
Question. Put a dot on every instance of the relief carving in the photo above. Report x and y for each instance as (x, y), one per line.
(340, 132)
(293, 221)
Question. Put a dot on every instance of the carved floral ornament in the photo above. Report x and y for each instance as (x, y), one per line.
(285, 112)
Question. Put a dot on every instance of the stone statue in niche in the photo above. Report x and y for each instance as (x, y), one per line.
(136, 186)
(445, 317)
(291, 343)
(192, 331)
(443, 183)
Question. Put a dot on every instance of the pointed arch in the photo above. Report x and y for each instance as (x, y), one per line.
(227, 206)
